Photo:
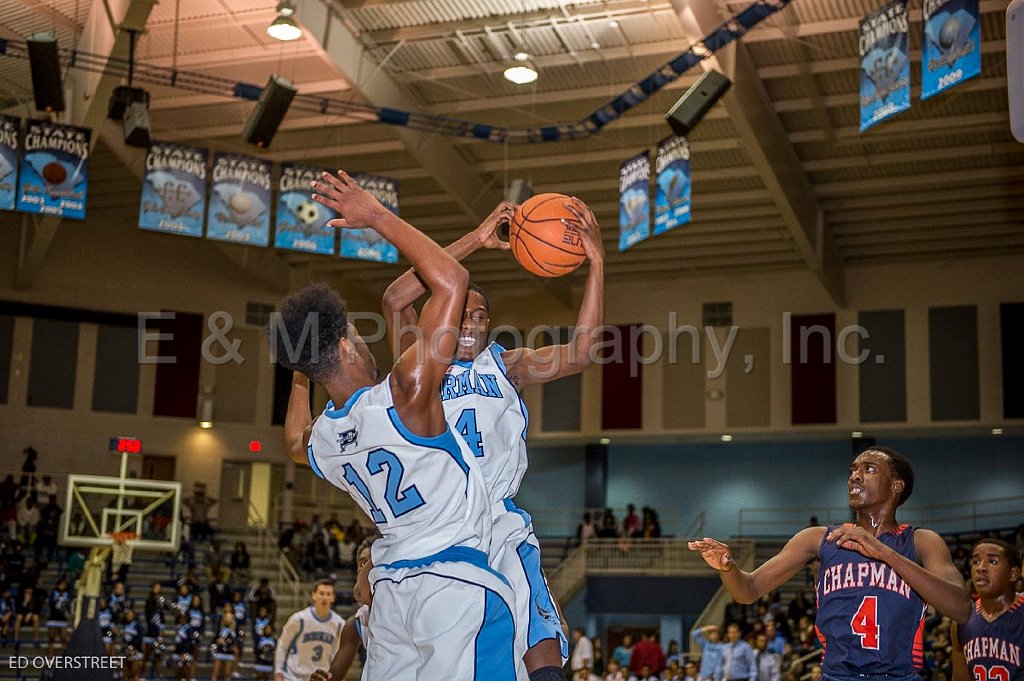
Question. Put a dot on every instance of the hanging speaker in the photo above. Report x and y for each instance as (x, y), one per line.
(1015, 66)
(692, 106)
(273, 104)
(44, 62)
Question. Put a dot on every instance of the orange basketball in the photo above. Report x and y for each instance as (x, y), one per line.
(540, 241)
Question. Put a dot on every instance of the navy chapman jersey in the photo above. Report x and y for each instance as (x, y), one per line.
(992, 649)
(425, 494)
(484, 407)
(870, 622)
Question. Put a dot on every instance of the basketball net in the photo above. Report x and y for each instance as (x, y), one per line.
(121, 550)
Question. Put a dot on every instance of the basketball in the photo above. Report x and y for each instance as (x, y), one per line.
(540, 241)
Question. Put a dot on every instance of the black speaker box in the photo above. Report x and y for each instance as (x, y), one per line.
(44, 61)
(692, 106)
(273, 103)
(136, 125)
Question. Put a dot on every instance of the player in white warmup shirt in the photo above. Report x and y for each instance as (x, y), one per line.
(310, 637)
(441, 612)
(481, 400)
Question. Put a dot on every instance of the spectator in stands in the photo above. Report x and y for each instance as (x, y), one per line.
(46, 488)
(240, 563)
(27, 612)
(672, 655)
(582, 655)
(181, 603)
(631, 523)
(807, 638)
(673, 672)
(775, 641)
(75, 563)
(355, 532)
(816, 673)
(7, 612)
(598, 665)
(48, 530)
(27, 485)
(28, 520)
(647, 653)
(738, 663)
(690, 671)
(609, 528)
(799, 607)
(623, 652)
(199, 506)
(645, 674)
(191, 580)
(651, 524)
(769, 663)
(213, 562)
(792, 669)
(615, 672)
(587, 529)
(9, 505)
(263, 596)
(709, 639)
(220, 595)
(317, 558)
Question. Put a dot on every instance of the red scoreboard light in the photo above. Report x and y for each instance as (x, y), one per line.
(255, 446)
(126, 445)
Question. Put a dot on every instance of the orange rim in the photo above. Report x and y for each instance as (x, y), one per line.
(122, 537)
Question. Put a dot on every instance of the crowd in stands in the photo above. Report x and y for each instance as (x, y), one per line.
(645, 526)
(322, 547)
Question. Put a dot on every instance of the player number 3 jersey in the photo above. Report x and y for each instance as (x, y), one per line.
(425, 494)
(870, 621)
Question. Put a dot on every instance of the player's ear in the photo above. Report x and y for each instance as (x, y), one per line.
(1014, 575)
(897, 488)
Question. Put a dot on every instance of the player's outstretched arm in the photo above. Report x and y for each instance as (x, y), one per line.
(959, 661)
(288, 633)
(747, 587)
(417, 375)
(298, 420)
(404, 291)
(526, 365)
(936, 579)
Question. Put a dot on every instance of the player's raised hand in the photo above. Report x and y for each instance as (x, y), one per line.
(715, 553)
(487, 232)
(855, 538)
(358, 208)
(320, 675)
(588, 227)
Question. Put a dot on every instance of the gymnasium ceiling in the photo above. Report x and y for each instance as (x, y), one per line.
(782, 179)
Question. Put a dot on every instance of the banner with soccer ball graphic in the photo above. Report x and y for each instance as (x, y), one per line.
(302, 222)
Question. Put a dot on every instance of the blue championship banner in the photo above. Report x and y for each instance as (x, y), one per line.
(672, 193)
(884, 64)
(239, 200)
(9, 128)
(634, 200)
(174, 190)
(301, 221)
(54, 170)
(367, 244)
(951, 49)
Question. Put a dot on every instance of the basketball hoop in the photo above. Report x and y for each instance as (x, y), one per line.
(121, 538)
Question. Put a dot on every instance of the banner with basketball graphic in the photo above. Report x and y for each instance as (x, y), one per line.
(9, 128)
(634, 200)
(239, 208)
(302, 222)
(174, 190)
(367, 244)
(54, 170)
(884, 64)
(951, 47)
(672, 186)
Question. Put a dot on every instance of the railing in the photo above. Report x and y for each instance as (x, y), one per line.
(950, 517)
(288, 578)
(569, 577)
(259, 526)
(563, 521)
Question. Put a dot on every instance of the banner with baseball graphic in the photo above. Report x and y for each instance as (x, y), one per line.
(884, 64)
(9, 128)
(174, 190)
(951, 46)
(634, 200)
(301, 223)
(367, 244)
(54, 170)
(239, 209)
(672, 186)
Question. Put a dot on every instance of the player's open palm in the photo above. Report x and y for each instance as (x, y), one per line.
(357, 207)
(715, 553)
(589, 229)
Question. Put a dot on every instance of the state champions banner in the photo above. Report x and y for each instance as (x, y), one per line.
(9, 129)
(634, 200)
(884, 64)
(54, 177)
(672, 186)
(174, 190)
(301, 223)
(239, 209)
(367, 244)
(951, 45)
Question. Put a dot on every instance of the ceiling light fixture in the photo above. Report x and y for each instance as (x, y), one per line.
(524, 72)
(613, 24)
(727, 438)
(284, 27)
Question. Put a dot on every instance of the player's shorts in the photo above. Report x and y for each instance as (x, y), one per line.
(516, 554)
(447, 616)
(56, 624)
